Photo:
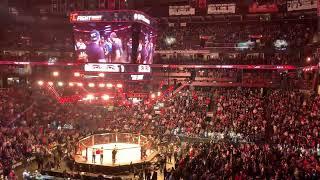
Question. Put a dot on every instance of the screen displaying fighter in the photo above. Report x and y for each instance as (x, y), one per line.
(103, 43)
(146, 46)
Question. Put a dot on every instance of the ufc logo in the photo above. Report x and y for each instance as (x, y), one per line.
(73, 17)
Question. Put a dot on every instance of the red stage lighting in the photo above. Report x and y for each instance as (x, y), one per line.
(119, 85)
(102, 85)
(109, 85)
(55, 73)
(105, 97)
(89, 97)
(50, 83)
(91, 85)
(60, 83)
(308, 59)
(80, 84)
(40, 83)
(76, 74)
(101, 74)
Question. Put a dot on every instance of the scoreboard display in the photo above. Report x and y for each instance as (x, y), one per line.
(116, 68)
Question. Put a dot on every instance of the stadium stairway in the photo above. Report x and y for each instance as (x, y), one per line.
(213, 104)
(184, 84)
(23, 113)
(53, 92)
(267, 117)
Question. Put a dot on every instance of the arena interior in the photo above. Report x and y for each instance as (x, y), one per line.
(160, 89)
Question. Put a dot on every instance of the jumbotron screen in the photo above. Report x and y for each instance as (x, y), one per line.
(146, 48)
(104, 42)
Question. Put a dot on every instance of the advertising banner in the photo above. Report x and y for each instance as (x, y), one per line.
(222, 8)
(181, 10)
(297, 5)
(263, 8)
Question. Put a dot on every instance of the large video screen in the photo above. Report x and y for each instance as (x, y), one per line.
(103, 43)
(146, 48)
(113, 43)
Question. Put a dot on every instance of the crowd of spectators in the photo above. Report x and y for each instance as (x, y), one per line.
(11, 143)
(281, 126)
(39, 37)
(24, 127)
(240, 111)
(278, 43)
(230, 34)
(225, 160)
(231, 58)
(253, 133)
(36, 56)
(294, 119)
